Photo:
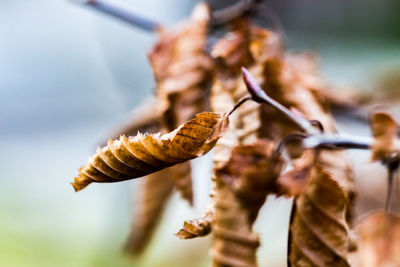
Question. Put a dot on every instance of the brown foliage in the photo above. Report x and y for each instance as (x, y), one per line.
(133, 157)
(234, 243)
(221, 100)
(197, 227)
(379, 245)
(294, 181)
(318, 228)
(246, 165)
(384, 130)
(182, 69)
(296, 84)
(155, 190)
(245, 181)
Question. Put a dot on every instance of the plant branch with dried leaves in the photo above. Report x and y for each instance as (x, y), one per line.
(272, 135)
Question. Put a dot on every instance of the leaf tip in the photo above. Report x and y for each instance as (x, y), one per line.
(80, 182)
(183, 235)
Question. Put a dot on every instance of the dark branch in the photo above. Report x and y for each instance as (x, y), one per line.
(229, 13)
(121, 12)
(392, 189)
(288, 139)
(260, 96)
(241, 102)
(118, 11)
(337, 142)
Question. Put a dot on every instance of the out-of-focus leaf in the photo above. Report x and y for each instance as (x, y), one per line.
(294, 181)
(318, 228)
(379, 240)
(197, 227)
(246, 179)
(222, 98)
(181, 175)
(251, 173)
(241, 190)
(133, 157)
(155, 190)
(232, 51)
(183, 70)
(293, 80)
(384, 129)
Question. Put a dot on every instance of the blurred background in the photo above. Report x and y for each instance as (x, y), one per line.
(70, 75)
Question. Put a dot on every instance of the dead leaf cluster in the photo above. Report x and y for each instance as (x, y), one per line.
(190, 79)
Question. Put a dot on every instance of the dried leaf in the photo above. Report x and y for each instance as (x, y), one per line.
(294, 181)
(384, 129)
(245, 181)
(181, 174)
(232, 51)
(318, 227)
(202, 226)
(251, 173)
(197, 227)
(155, 190)
(293, 81)
(133, 157)
(182, 68)
(234, 243)
(221, 100)
(379, 240)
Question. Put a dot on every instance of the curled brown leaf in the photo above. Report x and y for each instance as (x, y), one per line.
(133, 157)
(379, 240)
(318, 227)
(384, 130)
(197, 227)
(294, 181)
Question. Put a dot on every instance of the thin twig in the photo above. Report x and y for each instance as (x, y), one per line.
(337, 142)
(241, 102)
(260, 96)
(392, 167)
(288, 139)
(314, 139)
(229, 13)
(389, 190)
(121, 12)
